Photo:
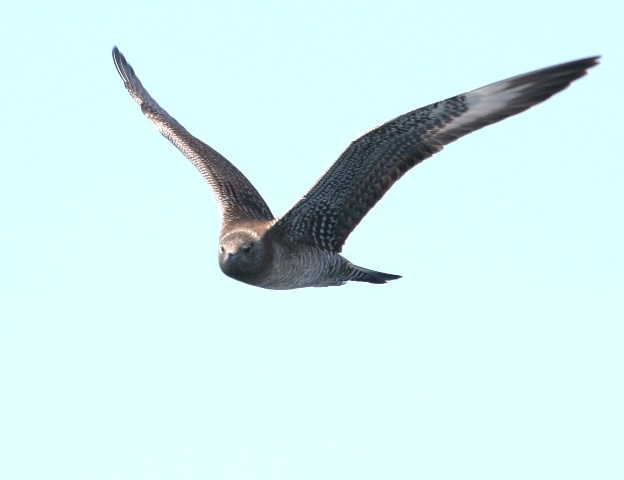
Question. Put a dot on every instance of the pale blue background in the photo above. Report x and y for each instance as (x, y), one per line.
(126, 354)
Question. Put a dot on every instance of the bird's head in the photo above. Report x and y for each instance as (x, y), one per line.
(242, 255)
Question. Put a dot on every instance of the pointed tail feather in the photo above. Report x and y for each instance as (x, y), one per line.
(371, 276)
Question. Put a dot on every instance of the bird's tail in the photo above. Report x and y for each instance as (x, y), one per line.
(361, 274)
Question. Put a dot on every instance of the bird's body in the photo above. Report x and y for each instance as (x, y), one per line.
(302, 248)
(303, 265)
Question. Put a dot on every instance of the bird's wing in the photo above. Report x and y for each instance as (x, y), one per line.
(236, 196)
(367, 169)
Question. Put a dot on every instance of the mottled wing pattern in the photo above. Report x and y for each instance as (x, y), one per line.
(330, 211)
(236, 196)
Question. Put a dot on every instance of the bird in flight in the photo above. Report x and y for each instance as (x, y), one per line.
(302, 248)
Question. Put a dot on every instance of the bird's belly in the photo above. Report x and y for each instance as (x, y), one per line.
(303, 267)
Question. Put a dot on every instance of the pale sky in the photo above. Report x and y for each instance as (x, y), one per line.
(125, 353)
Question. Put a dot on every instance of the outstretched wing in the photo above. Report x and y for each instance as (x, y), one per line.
(236, 196)
(367, 169)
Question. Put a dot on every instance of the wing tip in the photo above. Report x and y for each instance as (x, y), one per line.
(126, 72)
(120, 63)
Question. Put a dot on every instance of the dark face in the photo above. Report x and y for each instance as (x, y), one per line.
(241, 255)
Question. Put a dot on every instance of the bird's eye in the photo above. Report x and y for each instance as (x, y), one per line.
(222, 249)
(247, 248)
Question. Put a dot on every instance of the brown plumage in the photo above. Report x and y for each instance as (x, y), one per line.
(302, 248)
